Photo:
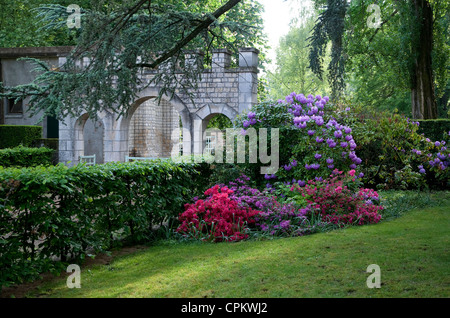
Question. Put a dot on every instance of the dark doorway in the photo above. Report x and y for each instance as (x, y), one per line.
(52, 127)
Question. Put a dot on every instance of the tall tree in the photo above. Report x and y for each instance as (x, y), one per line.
(423, 97)
(330, 27)
(292, 71)
(121, 39)
(412, 23)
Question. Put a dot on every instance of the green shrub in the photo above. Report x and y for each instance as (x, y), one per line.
(394, 155)
(56, 211)
(14, 135)
(434, 129)
(26, 157)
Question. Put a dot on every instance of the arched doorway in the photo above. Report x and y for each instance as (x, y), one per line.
(153, 128)
(216, 124)
(88, 138)
(93, 139)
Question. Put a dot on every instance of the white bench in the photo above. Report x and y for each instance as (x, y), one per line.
(128, 158)
(87, 160)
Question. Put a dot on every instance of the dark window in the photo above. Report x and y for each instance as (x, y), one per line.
(15, 107)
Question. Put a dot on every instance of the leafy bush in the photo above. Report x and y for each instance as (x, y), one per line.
(311, 141)
(239, 211)
(26, 157)
(394, 155)
(435, 129)
(277, 217)
(15, 135)
(48, 212)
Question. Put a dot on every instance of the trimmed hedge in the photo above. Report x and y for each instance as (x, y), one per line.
(14, 135)
(65, 213)
(52, 143)
(26, 157)
(434, 128)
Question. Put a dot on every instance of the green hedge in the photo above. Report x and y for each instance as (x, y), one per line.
(14, 135)
(434, 128)
(26, 157)
(48, 212)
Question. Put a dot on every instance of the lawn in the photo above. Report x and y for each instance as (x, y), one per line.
(412, 251)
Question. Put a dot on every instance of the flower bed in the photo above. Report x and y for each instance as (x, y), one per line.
(238, 211)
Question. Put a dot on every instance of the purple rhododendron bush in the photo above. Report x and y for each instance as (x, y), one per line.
(312, 143)
(316, 137)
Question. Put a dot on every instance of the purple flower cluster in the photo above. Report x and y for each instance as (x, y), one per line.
(437, 156)
(251, 120)
(308, 115)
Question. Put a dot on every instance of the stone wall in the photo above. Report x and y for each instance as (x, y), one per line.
(153, 130)
(150, 130)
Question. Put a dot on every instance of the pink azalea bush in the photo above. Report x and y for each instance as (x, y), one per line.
(337, 202)
(217, 217)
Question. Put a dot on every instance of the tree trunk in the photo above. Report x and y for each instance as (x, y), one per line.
(423, 98)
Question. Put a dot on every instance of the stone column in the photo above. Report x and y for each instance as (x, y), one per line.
(221, 59)
(194, 58)
(248, 78)
(66, 141)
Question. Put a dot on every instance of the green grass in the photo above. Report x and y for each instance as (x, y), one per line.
(411, 249)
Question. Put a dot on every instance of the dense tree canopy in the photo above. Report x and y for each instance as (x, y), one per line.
(20, 25)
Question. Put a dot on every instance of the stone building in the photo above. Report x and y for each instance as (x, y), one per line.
(149, 129)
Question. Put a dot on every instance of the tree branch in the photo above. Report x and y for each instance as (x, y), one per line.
(206, 23)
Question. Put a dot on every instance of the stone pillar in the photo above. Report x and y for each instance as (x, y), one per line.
(66, 141)
(221, 59)
(194, 58)
(248, 78)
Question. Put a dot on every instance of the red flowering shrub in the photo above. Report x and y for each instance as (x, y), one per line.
(338, 203)
(216, 218)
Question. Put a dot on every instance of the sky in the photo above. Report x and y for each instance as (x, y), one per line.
(277, 15)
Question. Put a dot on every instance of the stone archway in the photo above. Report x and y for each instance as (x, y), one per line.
(201, 119)
(221, 90)
(84, 137)
(151, 128)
